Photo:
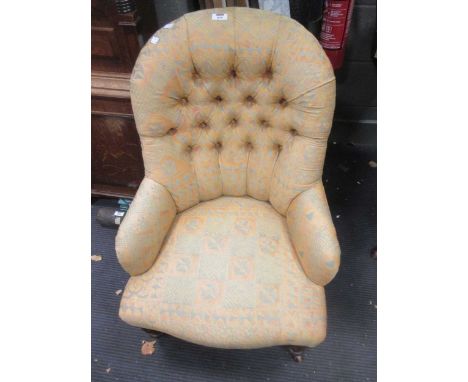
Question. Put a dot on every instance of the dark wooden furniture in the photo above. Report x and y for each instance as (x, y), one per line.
(117, 164)
(117, 34)
(228, 3)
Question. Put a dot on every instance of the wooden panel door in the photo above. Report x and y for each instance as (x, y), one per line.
(114, 38)
(117, 164)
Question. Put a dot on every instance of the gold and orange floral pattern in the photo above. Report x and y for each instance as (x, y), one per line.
(229, 240)
(228, 276)
(144, 228)
(312, 231)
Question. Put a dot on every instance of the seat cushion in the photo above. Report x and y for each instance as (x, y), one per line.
(227, 276)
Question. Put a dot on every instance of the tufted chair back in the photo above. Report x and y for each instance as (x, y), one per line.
(239, 105)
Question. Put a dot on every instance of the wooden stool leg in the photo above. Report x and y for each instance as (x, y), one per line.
(153, 333)
(296, 352)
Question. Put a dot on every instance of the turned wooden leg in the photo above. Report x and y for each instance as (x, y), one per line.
(152, 333)
(296, 352)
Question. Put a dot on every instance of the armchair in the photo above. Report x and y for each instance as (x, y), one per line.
(229, 240)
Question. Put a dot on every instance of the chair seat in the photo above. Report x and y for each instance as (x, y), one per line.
(228, 277)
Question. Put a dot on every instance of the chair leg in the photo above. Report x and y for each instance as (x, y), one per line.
(296, 352)
(153, 333)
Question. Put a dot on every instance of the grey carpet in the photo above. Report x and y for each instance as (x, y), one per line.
(348, 353)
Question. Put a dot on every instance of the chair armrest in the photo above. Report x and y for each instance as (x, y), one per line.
(144, 227)
(313, 235)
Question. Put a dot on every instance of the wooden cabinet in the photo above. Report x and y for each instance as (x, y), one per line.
(117, 34)
(227, 3)
(117, 164)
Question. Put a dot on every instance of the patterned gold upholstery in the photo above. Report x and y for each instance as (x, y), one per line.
(228, 276)
(229, 240)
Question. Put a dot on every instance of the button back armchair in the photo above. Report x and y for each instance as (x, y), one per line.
(229, 240)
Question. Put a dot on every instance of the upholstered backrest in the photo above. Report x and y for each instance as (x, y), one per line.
(240, 104)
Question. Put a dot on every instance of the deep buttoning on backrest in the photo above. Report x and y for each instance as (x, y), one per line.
(235, 104)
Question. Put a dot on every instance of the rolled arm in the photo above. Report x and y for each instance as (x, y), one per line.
(313, 235)
(144, 227)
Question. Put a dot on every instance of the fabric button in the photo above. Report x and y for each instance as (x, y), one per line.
(264, 123)
(249, 100)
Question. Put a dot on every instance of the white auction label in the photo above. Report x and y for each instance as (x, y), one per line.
(219, 16)
(168, 26)
(154, 40)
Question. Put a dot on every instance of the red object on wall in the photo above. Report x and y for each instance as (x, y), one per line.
(335, 27)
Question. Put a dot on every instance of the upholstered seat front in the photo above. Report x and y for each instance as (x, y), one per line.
(228, 276)
(229, 239)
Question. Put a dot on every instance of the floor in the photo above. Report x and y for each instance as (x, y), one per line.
(348, 353)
